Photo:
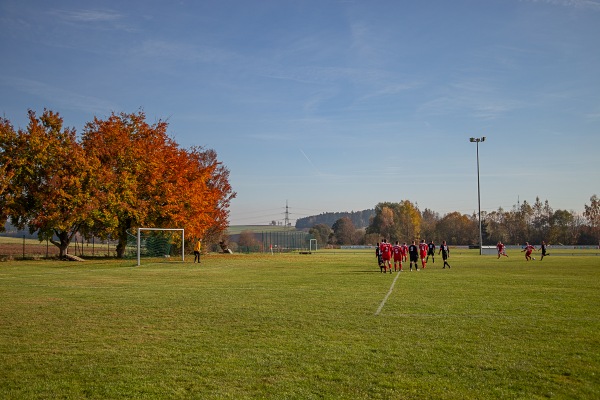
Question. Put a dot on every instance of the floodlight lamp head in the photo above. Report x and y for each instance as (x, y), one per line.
(483, 139)
(472, 139)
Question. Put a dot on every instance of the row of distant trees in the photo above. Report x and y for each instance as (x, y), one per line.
(121, 173)
(360, 219)
(404, 222)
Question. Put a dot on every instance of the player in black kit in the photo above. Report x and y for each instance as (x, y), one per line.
(543, 249)
(445, 250)
(413, 253)
(430, 251)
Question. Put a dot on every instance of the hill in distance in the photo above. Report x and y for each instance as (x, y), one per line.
(360, 219)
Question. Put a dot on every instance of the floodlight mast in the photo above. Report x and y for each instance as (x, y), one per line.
(476, 141)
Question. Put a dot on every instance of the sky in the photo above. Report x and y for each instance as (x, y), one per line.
(333, 105)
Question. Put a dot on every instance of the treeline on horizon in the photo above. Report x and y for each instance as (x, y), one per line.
(360, 219)
(405, 222)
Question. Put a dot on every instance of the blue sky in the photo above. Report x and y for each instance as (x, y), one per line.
(333, 105)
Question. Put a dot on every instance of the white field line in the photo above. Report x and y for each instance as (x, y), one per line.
(388, 294)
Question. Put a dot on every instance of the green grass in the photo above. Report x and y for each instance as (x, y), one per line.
(301, 326)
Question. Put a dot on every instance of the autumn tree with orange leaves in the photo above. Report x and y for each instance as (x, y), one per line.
(47, 183)
(146, 180)
(123, 174)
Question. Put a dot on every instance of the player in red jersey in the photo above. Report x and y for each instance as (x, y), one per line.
(386, 255)
(397, 252)
(528, 249)
(423, 252)
(404, 252)
(501, 249)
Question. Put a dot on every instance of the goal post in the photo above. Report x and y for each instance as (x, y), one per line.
(139, 240)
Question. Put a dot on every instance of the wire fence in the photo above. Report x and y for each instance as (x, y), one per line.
(278, 242)
(24, 247)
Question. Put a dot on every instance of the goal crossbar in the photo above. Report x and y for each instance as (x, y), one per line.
(139, 240)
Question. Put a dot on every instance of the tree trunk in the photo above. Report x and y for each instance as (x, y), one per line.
(123, 238)
(121, 246)
(63, 243)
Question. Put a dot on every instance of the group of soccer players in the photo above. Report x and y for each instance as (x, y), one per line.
(389, 254)
(527, 249)
(385, 252)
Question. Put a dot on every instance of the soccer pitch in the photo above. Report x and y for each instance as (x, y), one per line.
(289, 326)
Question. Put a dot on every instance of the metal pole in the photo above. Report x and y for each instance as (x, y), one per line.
(479, 204)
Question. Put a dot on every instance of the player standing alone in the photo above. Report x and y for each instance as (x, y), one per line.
(445, 250)
(423, 252)
(197, 248)
(431, 251)
(413, 254)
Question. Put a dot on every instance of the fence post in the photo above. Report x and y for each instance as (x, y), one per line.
(23, 247)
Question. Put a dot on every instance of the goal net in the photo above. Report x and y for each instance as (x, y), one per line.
(157, 244)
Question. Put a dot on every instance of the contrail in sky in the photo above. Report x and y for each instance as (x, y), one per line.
(311, 163)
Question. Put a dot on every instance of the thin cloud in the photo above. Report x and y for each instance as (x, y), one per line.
(586, 4)
(57, 97)
(88, 15)
(270, 137)
(93, 19)
(390, 90)
(176, 51)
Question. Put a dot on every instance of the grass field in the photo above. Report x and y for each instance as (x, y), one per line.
(290, 326)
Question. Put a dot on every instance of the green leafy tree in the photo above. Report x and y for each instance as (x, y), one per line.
(387, 224)
(563, 229)
(409, 221)
(542, 212)
(343, 231)
(496, 231)
(396, 221)
(429, 226)
(321, 233)
(457, 228)
(592, 214)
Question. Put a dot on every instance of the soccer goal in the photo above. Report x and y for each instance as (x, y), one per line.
(160, 243)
